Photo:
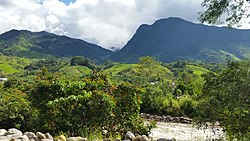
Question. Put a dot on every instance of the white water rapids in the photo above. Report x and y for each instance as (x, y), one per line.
(185, 132)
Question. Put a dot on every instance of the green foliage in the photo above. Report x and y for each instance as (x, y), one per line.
(79, 60)
(52, 64)
(225, 99)
(15, 109)
(85, 106)
(234, 9)
(12, 65)
(75, 70)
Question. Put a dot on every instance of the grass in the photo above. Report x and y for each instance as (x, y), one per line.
(197, 73)
(11, 64)
(118, 68)
(75, 70)
(196, 70)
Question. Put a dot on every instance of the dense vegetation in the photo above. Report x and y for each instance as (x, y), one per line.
(77, 97)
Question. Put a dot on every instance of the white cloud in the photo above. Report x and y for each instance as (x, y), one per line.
(108, 23)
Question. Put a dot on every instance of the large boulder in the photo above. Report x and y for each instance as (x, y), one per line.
(3, 132)
(3, 138)
(30, 135)
(137, 138)
(48, 136)
(13, 133)
(24, 138)
(129, 135)
(40, 135)
(144, 138)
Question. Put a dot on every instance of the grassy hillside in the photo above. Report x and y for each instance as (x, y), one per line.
(196, 73)
(12, 64)
(75, 70)
(43, 45)
(114, 70)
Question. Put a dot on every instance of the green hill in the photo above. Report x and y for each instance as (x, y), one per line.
(174, 39)
(75, 70)
(43, 44)
(12, 65)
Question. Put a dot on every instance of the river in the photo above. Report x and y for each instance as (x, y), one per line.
(185, 132)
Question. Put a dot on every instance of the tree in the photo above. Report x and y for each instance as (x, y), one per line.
(79, 60)
(235, 10)
(225, 99)
(15, 109)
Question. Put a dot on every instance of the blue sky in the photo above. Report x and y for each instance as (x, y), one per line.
(68, 1)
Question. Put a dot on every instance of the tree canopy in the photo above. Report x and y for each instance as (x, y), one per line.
(232, 10)
(225, 99)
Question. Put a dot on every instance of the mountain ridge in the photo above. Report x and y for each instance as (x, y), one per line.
(184, 39)
(23, 43)
(168, 40)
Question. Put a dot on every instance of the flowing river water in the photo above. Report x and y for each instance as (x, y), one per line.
(186, 132)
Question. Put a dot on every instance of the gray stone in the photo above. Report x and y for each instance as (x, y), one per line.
(30, 135)
(129, 135)
(40, 135)
(24, 138)
(35, 139)
(46, 140)
(165, 139)
(13, 136)
(3, 138)
(48, 136)
(77, 139)
(137, 138)
(14, 131)
(144, 138)
(3, 132)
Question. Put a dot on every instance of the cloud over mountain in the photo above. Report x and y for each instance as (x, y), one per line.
(109, 23)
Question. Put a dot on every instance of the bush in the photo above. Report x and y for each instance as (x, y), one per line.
(15, 109)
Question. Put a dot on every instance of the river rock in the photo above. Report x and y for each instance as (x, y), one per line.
(30, 135)
(40, 135)
(77, 139)
(165, 139)
(137, 138)
(13, 133)
(3, 138)
(129, 135)
(3, 132)
(24, 138)
(48, 136)
(144, 138)
(46, 140)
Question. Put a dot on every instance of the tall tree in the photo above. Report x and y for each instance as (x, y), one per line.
(225, 99)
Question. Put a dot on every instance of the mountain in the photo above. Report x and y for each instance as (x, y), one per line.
(24, 43)
(174, 39)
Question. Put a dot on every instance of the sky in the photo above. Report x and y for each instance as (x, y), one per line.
(108, 23)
